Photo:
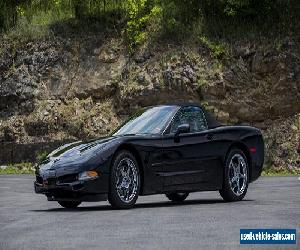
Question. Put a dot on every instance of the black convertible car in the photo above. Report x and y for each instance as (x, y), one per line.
(167, 149)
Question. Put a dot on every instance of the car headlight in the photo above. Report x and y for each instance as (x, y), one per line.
(88, 175)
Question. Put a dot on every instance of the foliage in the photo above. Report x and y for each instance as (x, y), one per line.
(279, 172)
(41, 156)
(141, 19)
(18, 168)
(140, 14)
(218, 50)
(9, 12)
(26, 31)
(178, 15)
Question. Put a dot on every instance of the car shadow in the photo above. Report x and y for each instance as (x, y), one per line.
(137, 206)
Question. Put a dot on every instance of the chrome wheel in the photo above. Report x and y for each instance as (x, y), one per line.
(127, 180)
(238, 175)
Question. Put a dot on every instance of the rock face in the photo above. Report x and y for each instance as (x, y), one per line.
(67, 89)
(282, 144)
(252, 89)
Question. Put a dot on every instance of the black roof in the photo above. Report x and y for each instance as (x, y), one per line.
(211, 120)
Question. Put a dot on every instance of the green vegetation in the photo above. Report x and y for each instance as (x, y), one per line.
(18, 168)
(280, 172)
(41, 156)
(142, 20)
(218, 50)
(23, 167)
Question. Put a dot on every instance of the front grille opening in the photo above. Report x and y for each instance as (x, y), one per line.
(77, 187)
(67, 178)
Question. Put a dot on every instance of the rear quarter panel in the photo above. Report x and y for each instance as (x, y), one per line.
(245, 138)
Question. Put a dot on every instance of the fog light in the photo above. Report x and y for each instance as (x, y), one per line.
(87, 175)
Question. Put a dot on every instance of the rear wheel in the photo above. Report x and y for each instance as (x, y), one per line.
(69, 204)
(177, 197)
(124, 181)
(236, 176)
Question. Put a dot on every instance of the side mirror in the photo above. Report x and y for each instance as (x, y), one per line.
(183, 128)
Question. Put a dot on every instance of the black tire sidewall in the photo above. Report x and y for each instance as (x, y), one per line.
(226, 191)
(113, 196)
(69, 204)
(177, 197)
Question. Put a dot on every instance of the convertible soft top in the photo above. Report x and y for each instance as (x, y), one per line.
(211, 120)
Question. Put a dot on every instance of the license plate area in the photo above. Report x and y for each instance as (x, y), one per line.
(49, 179)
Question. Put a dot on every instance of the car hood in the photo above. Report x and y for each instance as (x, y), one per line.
(75, 154)
(80, 148)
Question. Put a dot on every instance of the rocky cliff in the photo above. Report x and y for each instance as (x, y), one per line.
(84, 86)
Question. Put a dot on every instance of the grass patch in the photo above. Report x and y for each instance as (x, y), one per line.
(26, 31)
(283, 172)
(18, 168)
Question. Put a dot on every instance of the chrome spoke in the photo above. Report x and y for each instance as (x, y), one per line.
(238, 185)
(127, 180)
(118, 186)
(126, 196)
(234, 184)
(241, 176)
(238, 174)
(233, 179)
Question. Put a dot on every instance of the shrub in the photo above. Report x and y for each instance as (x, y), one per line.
(142, 19)
(41, 156)
(217, 50)
(141, 13)
(26, 31)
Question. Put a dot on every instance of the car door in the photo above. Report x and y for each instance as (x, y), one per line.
(188, 161)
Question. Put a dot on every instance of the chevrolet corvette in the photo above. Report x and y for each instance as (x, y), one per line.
(172, 149)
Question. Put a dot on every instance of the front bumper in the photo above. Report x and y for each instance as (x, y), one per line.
(90, 190)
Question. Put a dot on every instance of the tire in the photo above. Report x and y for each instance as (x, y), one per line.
(177, 197)
(69, 204)
(236, 176)
(125, 182)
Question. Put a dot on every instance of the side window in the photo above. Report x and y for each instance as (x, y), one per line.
(193, 116)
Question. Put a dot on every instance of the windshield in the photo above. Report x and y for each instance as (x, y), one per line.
(147, 121)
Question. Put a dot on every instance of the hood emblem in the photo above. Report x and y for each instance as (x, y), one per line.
(56, 160)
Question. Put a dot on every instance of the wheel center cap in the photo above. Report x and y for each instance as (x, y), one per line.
(126, 182)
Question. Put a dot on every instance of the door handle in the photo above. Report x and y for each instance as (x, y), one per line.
(209, 136)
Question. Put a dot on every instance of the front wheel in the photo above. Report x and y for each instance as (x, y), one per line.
(177, 197)
(236, 175)
(69, 204)
(124, 181)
